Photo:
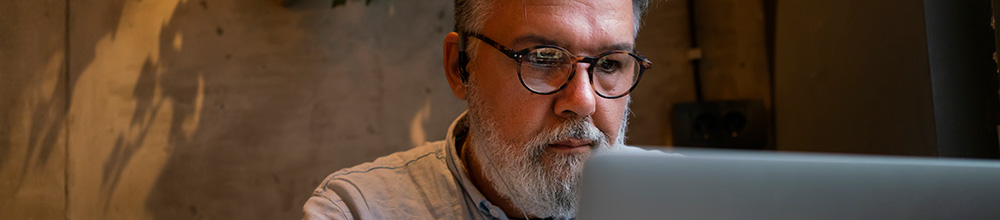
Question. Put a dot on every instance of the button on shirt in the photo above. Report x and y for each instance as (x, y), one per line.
(426, 182)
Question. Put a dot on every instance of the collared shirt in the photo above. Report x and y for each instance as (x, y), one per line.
(426, 182)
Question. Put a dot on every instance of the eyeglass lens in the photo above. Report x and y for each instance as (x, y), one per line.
(545, 70)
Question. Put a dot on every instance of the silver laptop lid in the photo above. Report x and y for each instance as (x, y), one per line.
(708, 184)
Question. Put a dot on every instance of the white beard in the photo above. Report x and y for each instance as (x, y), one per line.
(520, 171)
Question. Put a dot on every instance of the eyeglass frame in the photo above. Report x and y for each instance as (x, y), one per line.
(643, 62)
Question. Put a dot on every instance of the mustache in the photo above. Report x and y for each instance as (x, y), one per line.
(581, 129)
(586, 131)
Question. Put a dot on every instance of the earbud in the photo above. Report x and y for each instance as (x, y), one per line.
(463, 59)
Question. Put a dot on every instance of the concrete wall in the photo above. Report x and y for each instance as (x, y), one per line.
(33, 109)
(733, 60)
(229, 109)
(177, 109)
(665, 40)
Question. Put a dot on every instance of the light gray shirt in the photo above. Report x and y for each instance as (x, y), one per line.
(426, 182)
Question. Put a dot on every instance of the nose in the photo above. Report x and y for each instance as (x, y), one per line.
(577, 99)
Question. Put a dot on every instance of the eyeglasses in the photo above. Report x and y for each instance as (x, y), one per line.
(548, 69)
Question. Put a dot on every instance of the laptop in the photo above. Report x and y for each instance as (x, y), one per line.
(713, 184)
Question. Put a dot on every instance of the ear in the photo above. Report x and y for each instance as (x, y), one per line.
(451, 65)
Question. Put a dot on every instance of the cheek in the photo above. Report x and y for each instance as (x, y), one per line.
(517, 112)
(521, 118)
(608, 115)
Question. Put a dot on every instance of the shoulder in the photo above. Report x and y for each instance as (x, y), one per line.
(420, 157)
(383, 186)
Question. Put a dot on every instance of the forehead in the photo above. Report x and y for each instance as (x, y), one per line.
(581, 25)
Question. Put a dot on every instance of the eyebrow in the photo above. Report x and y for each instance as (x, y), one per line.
(534, 40)
(621, 46)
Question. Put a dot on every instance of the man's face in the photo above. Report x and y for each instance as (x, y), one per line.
(537, 140)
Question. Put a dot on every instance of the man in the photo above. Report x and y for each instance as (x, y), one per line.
(547, 84)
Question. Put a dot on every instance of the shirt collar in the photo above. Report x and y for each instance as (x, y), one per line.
(460, 128)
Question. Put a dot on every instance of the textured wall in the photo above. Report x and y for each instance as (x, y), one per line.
(733, 60)
(32, 109)
(236, 109)
(209, 109)
(230, 109)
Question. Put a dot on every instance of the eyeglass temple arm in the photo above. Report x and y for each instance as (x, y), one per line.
(645, 62)
(506, 51)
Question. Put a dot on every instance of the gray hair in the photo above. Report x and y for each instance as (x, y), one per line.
(470, 17)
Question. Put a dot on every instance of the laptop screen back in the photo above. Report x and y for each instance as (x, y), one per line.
(749, 185)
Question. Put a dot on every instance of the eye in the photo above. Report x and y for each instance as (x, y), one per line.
(606, 65)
